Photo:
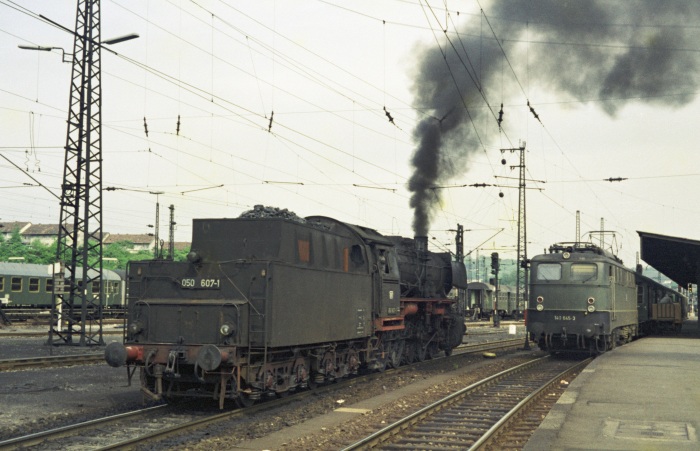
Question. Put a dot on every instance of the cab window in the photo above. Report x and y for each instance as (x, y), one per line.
(549, 271)
(584, 272)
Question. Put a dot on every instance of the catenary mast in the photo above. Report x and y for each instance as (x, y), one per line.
(77, 315)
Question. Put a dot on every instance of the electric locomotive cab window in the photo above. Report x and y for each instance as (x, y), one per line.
(584, 272)
(549, 271)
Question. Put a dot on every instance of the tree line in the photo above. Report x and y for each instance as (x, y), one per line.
(14, 249)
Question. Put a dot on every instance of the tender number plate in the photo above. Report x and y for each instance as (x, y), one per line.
(564, 317)
(200, 284)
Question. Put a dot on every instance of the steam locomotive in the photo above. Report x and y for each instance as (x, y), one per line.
(267, 305)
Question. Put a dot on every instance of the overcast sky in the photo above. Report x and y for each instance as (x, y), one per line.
(362, 110)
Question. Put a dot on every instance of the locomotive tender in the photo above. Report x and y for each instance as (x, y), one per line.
(583, 298)
(267, 305)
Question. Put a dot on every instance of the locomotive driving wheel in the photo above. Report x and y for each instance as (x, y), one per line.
(395, 353)
(300, 374)
(417, 351)
(244, 400)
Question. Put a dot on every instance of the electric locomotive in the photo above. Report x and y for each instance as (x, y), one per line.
(268, 305)
(581, 298)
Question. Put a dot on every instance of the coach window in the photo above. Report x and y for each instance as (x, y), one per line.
(2, 284)
(33, 284)
(16, 284)
(49, 285)
(583, 272)
(96, 287)
(549, 271)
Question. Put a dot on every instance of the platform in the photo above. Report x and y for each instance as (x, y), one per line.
(644, 395)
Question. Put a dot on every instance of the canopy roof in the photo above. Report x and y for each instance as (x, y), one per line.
(677, 258)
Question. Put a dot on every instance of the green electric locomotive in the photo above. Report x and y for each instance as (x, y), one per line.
(581, 298)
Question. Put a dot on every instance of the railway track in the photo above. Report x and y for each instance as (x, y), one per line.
(24, 363)
(39, 314)
(162, 424)
(131, 429)
(113, 430)
(473, 417)
(488, 346)
(49, 361)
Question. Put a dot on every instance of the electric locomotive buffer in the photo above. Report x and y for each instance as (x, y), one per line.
(266, 305)
(581, 298)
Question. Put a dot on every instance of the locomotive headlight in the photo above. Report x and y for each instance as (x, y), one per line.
(591, 308)
(540, 307)
(226, 330)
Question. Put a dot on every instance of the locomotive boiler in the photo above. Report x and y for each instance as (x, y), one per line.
(268, 305)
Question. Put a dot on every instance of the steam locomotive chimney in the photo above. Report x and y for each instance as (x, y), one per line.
(421, 243)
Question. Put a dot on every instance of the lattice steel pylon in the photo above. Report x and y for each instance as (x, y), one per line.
(77, 310)
(521, 262)
(522, 282)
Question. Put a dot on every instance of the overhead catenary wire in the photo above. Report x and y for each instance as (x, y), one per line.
(263, 124)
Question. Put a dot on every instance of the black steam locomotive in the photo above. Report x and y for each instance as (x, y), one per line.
(267, 305)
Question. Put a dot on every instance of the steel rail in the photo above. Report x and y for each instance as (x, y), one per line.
(385, 433)
(49, 361)
(72, 429)
(498, 428)
(258, 408)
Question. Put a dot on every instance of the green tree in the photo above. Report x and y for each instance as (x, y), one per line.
(39, 253)
(12, 247)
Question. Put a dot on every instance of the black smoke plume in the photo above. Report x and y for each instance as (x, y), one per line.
(609, 52)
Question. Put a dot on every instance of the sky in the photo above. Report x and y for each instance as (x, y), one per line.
(382, 114)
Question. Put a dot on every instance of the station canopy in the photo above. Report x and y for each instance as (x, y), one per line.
(677, 258)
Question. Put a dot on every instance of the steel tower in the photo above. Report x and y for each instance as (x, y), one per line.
(75, 313)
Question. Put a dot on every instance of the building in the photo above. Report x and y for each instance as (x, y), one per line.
(47, 234)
